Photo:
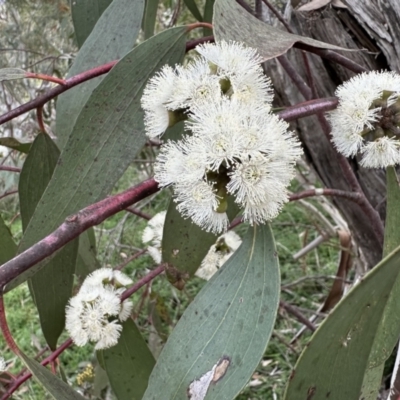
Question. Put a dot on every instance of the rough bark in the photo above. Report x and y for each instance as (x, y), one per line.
(361, 26)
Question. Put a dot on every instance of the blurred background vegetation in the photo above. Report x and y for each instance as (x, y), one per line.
(39, 37)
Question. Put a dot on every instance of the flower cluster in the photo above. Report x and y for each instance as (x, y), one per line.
(216, 257)
(219, 254)
(234, 145)
(93, 315)
(367, 119)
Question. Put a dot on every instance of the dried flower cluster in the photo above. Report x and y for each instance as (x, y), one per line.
(367, 119)
(233, 146)
(216, 257)
(93, 315)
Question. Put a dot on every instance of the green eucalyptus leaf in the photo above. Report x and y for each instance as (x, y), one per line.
(7, 74)
(192, 7)
(52, 286)
(149, 18)
(389, 328)
(112, 37)
(14, 144)
(222, 335)
(233, 22)
(85, 14)
(8, 248)
(208, 16)
(55, 386)
(185, 244)
(334, 363)
(106, 138)
(129, 363)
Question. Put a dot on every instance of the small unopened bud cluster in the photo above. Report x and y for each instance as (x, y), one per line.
(234, 145)
(95, 313)
(367, 119)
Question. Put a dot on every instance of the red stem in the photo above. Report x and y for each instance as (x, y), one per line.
(72, 227)
(5, 330)
(47, 78)
(39, 115)
(54, 92)
(10, 169)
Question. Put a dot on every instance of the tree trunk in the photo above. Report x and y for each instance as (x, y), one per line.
(364, 25)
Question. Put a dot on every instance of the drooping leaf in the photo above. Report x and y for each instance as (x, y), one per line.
(14, 144)
(8, 248)
(208, 16)
(222, 335)
(55, 386)
(149, 18)
(129, 363)
(85, 14)
(192, 7)
(7, 74)
(112, 37)
(107, 135)
(52, 286)
(389, 328)
(232, 22)
(333, 364)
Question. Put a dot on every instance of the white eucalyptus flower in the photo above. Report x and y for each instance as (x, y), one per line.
(3, 365)
(155, 99)
(153, 234)
(367, 119)
(93, 315)
(218, 254)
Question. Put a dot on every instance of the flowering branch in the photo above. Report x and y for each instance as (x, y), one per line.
(54, 355)
(72, 227)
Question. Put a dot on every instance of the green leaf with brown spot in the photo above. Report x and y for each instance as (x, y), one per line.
(224, 332)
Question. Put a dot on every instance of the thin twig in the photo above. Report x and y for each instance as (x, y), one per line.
(39, 115)
(191, 44)
(44, 77)
(72, 227)
(139, 213)
(298, 315)
(332, 56)
(5, 194)
(129, 259)
(10, 169)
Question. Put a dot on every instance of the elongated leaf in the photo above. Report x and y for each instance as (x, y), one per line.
(55, 386)
(389, 329)
(232, 22)
(112, 37)
(14, 144)
(8, 248)
(334, 363)
(129, 364)
(7, 74)
(192, 6)
(225, 330)
(86, 261)
(208, 16)
(85, 14)
(52, 286)
(106, 138)
(149, 18)
(185, 244)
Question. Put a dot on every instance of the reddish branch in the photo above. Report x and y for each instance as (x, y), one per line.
(72, 227)
(9, 169)
(308, 108)
(47, 78)
(52, 93)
